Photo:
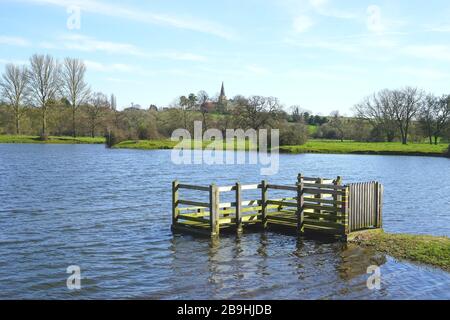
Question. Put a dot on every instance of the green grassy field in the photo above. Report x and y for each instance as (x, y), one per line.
(312, 129)
(419, 248)
(333, 146)
(51, 139)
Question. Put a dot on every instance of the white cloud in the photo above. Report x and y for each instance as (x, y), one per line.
(431, 52)
(47, 45)
(101, 67)
(19, 62)
(331, 45)
(302, 23)
(324, 8)
(89, 44)
(422, 73)
(135, 14)
(442, 29)
(318, 3)
(14, 41)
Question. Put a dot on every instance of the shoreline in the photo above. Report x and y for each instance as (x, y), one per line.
(425, 249)
(311, 147)
(28, 139)
(371, 153)
(317, 147)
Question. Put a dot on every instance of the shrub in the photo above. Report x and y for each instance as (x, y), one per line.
(292, 135)
(114, 137)
(147, 132)
(325, 131)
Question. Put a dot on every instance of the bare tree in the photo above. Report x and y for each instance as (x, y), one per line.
(297, 113)
(14, 88)
(404, 105)
(44, 84)
(116, 113)
(337, 122)
(187, 104)
(256, 112)
(202, 99)
(376, 109)
(426, 116)
(435, 116)
(443, 118)
(97, 106)
(75, 89)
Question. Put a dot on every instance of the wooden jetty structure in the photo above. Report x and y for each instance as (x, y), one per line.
(315, 206)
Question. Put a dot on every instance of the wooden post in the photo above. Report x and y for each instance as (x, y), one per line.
(264, 203)
(379, 203)
(174, 202)
(300, 205)
(319, 196)
(238, 208)
(337, 182)
(214, 210)
(345, 220)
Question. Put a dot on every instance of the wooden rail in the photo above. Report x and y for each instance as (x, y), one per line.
(315, 205)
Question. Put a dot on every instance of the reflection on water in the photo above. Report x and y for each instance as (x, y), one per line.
(356, 259)
(273, 266)
(108, 211)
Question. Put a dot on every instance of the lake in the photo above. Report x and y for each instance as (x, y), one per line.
(109, 212)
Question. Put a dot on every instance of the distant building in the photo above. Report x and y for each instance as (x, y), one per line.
(208, 106)
(221, 105)
(222, 97)
(134, 106)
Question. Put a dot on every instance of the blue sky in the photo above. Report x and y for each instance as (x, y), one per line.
(323, 55)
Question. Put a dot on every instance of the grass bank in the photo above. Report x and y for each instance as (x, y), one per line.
(425, 249)
(167, 144)
(353, 147)
(319, 146)
(51, 139)
(146, 144)
(312, 146)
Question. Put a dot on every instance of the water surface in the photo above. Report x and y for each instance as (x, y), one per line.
(108, 211)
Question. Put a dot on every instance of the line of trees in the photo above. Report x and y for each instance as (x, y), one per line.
(396, 112)
(52, 97)
(43, 83)
(49, 97)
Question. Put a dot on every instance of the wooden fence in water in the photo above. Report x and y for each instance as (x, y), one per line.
(312, 205)
(365, 205)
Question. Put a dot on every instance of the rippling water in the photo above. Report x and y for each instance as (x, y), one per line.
(108, 211)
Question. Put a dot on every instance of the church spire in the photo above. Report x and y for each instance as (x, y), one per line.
(222, 91)
(222, 97)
